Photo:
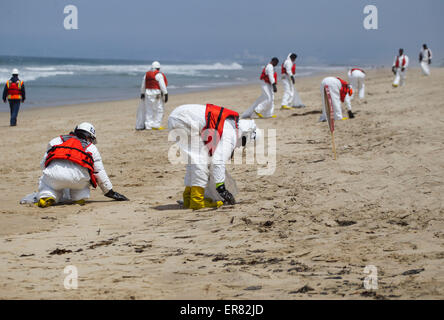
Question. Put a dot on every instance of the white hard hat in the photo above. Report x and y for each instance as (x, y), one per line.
(155, 65)
(15, 71)
(89, 129)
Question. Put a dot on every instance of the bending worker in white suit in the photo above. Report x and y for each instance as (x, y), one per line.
(214, 133)
(290, 98)
(263, 107)
(425, 59)
(340, 91)
(399, 68)
(73, 162)
(153, 92)
(357, 77)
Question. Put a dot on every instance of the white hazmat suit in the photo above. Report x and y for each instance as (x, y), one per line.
(189, 121)
(150, 112)
(290, 96)
(264, 105)
(357, 78)
(425, 57)
(334, 85)
(400, 65)
(64, 174)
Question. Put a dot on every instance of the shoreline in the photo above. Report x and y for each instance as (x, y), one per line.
(193, 91)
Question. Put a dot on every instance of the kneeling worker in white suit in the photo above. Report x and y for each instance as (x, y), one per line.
(340, 91)
(425, 59)
(399, 68)
(263, 107)
(290, 98)
(214, 133)
(153, 92)
(357, 77)
(73, 162)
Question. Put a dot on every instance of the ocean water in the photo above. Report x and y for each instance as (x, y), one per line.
(61, 81)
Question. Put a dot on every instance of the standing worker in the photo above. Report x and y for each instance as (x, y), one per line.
(340, 91)
(214, 133)
(357, 77)
(73, 162)
(425, 59)
(290, 98)
(263, 107)
(154, 93)
(399, 68)
(14, 91)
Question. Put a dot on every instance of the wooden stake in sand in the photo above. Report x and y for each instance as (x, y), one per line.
(330, 117)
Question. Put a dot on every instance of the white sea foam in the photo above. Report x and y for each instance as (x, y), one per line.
(31, 73)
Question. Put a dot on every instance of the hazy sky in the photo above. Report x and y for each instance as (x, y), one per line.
(328, 31)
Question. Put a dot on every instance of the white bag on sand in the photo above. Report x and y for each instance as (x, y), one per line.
(211, 192)
(297, 102)
(140, 117)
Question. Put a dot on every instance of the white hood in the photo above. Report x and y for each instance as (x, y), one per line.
(247, 128)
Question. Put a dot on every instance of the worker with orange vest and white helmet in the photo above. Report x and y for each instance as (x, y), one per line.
(154, 93)
(290, 98)
(340, 91)
(14, 91)
(73, 162)
(357, 77)
(214, 133)
(399, 68)
(263, 107)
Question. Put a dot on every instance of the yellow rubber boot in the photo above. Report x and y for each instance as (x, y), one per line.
(46, 202)
(160, 128)
(187, 197)
(286, 107)
(197, 198)
(259, 114)
(80, 202)
(209, 203)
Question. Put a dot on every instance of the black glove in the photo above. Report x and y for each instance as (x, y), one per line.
(116, 196)
(402, 69)
(394, 70)
(23, 100)
(142, 96)
(166, 97)
(4, 101)
(225, 194)
(292, 79)
(430, 61)
(274, 87)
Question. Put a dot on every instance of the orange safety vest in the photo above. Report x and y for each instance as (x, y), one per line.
(293, 69)
(345, 89)
(74, 150)
(397, 62)
(357, 69)
(265, 77)
(215, 119)
(150, 80)
(14, 90)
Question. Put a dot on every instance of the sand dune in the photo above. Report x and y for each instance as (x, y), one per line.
(305, 232)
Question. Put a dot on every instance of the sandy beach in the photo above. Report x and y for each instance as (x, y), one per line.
(306, 232)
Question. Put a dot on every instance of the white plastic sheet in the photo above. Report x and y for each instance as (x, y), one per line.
(230, 185)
